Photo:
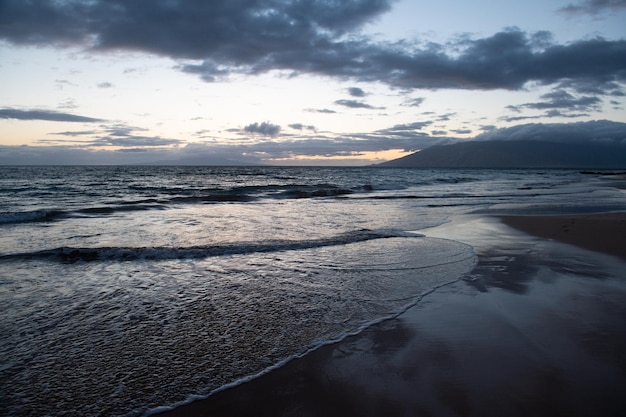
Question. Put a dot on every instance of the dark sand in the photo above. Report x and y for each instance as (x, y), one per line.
(600, 232)
(537, 329)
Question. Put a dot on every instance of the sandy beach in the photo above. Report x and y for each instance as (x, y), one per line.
(536, 329)
(604, 232)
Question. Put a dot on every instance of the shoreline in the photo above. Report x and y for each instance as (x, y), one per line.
(535, 329)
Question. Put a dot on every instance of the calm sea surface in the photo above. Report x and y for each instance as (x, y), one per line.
(125, 289)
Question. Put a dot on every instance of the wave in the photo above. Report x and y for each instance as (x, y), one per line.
(51, 215)
(68, 254)
(30, 216)
(234, 195)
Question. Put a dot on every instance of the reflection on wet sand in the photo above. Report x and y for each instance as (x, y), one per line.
(536, 329)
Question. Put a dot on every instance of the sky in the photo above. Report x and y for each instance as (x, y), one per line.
(299, 82)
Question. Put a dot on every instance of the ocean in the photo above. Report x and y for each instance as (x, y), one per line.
(126, 290)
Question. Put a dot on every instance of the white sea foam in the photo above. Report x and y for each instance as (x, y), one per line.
(204, 324)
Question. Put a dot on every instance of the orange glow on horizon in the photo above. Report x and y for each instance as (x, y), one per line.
(366, 157)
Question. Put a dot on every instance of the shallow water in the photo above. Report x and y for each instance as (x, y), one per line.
(124, 289)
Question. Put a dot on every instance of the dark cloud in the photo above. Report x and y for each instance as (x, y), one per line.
(561, 99)
(356, 92)
(593, 7)
(236, 30)
(265, 129)
(216, 38)
(105, 85)
(593, 86)
(595, 131)
(462, 131)
(557, 103)
(355, 104)
(47, 115)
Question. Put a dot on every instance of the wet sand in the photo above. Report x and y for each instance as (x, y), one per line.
(600, 232)
(536, 329)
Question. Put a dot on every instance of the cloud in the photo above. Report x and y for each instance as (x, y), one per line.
(220, 37)
(325, 111)
(594, 86)
(77, 133)
(593, 7)
(445, 117)
(405, 129)
(108, 135)
(561, 99)
(105, 85)
(47, 115)
(238, 30)
(595, 131)
(558, 113)
(355, 104)
(135, 141)
(67, 104)
(356, 92)
(414, 102)
(314, 145)
(300, 126)
(214, 153)
(265, 129)
(557, 103)
(73, 155)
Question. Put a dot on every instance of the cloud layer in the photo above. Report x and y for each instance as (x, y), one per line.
(407, 137)
(216, 38)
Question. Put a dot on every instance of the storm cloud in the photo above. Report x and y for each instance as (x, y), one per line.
(222, 37)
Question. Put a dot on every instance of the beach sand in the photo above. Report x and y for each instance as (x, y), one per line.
(536, 329)
(600, 232)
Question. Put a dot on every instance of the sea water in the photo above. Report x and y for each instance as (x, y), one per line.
(129, 289)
